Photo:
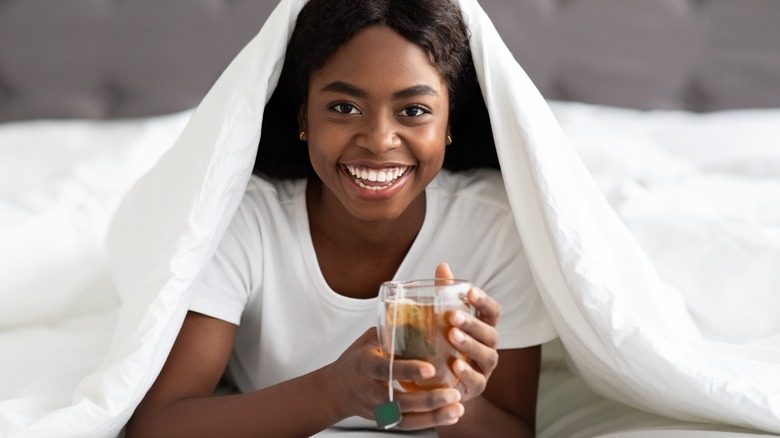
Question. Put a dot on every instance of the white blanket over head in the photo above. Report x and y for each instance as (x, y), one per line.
(627, 333)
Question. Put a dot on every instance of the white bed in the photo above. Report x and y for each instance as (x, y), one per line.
(697, 190)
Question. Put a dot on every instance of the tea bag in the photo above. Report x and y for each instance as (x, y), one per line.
(411, 325)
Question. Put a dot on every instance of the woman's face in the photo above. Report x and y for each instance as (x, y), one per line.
(376, 122)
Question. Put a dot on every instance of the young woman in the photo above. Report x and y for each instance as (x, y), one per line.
(374, 95)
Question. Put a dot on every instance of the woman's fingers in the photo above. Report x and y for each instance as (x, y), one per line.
(478, 340)
(431, 408)
(474, 381)
(487, 308)
(475, 336)
(403, 370)
(427, 401)
(473, 327)
(421, 409)
(485, 356)
(444, 416)
(443, 271)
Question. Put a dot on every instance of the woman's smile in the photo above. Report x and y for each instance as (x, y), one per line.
(376, 179)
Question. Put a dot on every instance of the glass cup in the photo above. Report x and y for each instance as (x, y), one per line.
(413, 324)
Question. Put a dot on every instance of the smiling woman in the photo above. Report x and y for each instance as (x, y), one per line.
(350, 192)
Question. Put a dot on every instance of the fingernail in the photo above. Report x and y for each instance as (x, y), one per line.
(428, 372)
(459, 366)
(452, 397)
(457, 411)
(457, 318)
(457, 336)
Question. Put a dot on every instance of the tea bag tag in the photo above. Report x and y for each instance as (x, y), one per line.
(388, 414)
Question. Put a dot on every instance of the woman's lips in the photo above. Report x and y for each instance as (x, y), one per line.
(375, 179)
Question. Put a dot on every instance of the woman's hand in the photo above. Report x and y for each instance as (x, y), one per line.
(359, 377)
(359, 380)
(475, 336)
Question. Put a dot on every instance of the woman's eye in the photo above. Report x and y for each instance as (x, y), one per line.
(345, 108)
(413, 111)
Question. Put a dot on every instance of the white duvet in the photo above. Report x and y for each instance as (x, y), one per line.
(677, 319)
(699, 193)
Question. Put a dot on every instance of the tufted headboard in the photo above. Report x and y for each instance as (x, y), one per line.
(129, 58)
(698, 55)
(117, 58)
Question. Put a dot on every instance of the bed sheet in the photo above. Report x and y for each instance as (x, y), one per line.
(60, 183)
(698, 191)
(568, 408)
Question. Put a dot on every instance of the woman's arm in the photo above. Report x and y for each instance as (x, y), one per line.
(507, 407)
(180, 401)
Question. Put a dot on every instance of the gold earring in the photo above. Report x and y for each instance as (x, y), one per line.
(302, 135)
(449, 140)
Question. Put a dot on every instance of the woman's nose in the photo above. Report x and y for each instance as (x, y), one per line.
(379, 134)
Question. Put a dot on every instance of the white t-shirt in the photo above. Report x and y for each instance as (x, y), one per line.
(265, 276)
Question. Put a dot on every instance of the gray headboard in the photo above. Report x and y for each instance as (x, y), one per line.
(117, 58)
(699, 55)
(106, 59)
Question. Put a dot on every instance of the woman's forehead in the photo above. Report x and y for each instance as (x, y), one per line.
(378, 57)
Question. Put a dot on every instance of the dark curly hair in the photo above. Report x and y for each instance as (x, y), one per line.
(323, 26)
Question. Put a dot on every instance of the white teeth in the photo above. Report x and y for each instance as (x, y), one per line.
(374, 188)
(373, 175)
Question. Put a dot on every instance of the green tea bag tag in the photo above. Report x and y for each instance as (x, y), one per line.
(388, 414)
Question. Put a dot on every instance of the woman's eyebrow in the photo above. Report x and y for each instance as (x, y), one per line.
(416, 90)
(352, 90)
(343, 87)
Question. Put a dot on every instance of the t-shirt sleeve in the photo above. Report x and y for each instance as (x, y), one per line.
(227, 280)
(524, 320)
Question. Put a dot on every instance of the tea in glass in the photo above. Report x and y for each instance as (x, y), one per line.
(413, 324)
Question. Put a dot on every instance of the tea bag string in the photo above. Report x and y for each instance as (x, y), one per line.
(392, 349)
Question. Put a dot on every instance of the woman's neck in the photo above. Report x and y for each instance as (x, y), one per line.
(356, 256)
